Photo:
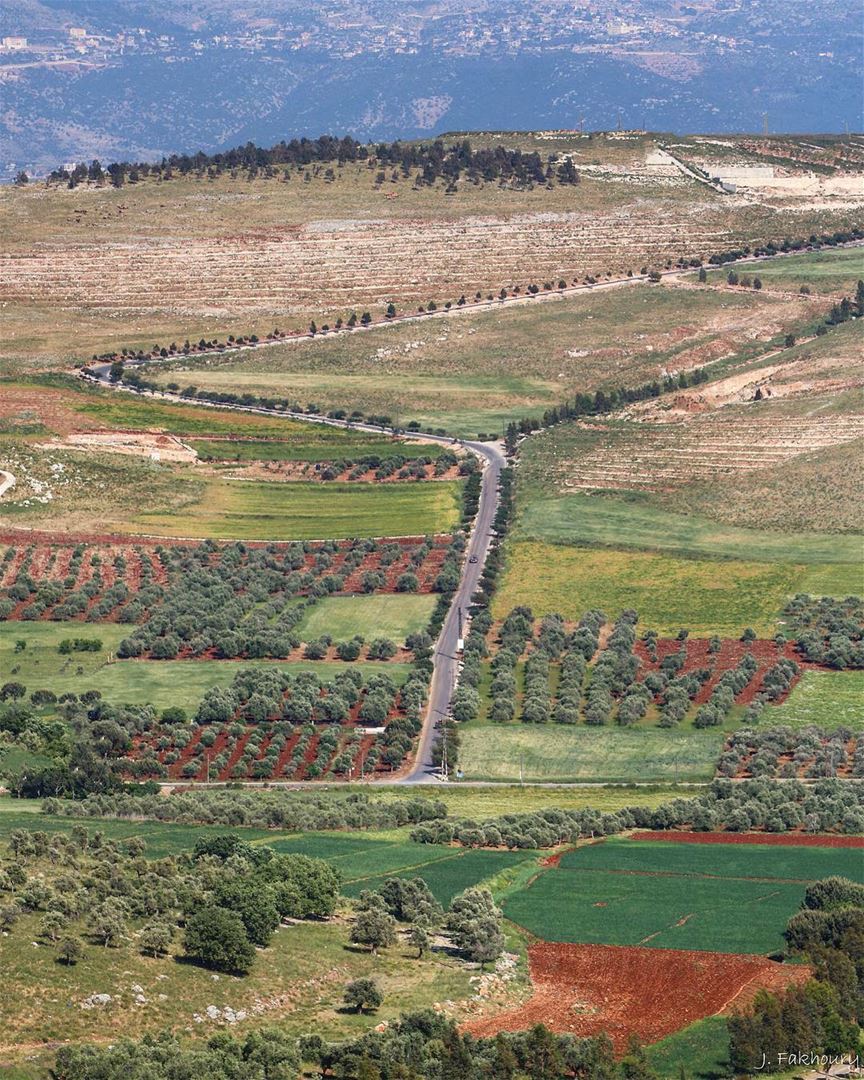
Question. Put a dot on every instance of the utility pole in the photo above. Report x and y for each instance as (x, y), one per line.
(444, 751)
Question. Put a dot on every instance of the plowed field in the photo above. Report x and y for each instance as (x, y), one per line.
(586, 989)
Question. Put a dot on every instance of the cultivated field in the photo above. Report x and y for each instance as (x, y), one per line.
(555, 753)
(669, 592)
(676, 896)
(248, 510)
(626, 992)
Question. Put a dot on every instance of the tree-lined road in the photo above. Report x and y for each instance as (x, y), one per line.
(445, 659)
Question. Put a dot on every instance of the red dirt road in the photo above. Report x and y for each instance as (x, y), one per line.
(650, 993)
(780, 839)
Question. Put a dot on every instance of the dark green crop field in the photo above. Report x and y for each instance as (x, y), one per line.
(723, 898)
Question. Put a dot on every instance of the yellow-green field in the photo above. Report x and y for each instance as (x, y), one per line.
(706, 596)
(246, 510)
(555, 753)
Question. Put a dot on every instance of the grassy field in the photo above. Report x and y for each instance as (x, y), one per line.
(726, 899)
(635, 522)
(827, 699)
(706, 596)
(392, 616)
(476, 372)
(484, 802)
(702, 1049)
(41, 667)
(310, 964)
(248, 510)
(160, 682)
(556, 753)
(830, 271)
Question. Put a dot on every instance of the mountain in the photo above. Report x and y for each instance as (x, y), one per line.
(138, 78)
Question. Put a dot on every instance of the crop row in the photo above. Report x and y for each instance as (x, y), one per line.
(272, 725)
(793, 753)
(129, 583)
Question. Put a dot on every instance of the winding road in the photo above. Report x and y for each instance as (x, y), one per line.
(446, 658)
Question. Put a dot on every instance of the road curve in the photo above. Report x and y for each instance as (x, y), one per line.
(7, 481)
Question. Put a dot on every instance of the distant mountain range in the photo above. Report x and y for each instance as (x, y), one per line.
(137, 78)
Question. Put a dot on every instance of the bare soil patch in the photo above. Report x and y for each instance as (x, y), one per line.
(650, 993)
(156, 447)
(787, 839)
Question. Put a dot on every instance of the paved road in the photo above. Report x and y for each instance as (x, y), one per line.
(445, 660)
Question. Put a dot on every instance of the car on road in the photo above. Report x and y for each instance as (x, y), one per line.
(473, 559)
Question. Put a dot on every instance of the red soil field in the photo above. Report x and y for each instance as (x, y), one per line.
(650, 993)
(779, 839)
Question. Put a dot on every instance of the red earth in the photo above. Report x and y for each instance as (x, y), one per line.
(649, 993)
(780, 839)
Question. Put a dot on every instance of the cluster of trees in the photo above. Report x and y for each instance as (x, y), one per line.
(63, 598)
(826, 806)
(228, 896)
(236, 601)
(427, 162)
(828, 631)
(824, 1017)
(292, 811)
(417, 1046)
(784, 753)
(83, 737)
(603, 401)
(473, 923)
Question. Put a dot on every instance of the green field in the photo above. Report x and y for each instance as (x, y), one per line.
(702, 1050)
(445, 876)
(778, 862)
(634, 522)
(365, 862)
(41, 667)
(834, 270)
(828, 699)
(724, 898)
(705, 596)
(557, 753)
(136, 682)
(393, 616)
(248, 510)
